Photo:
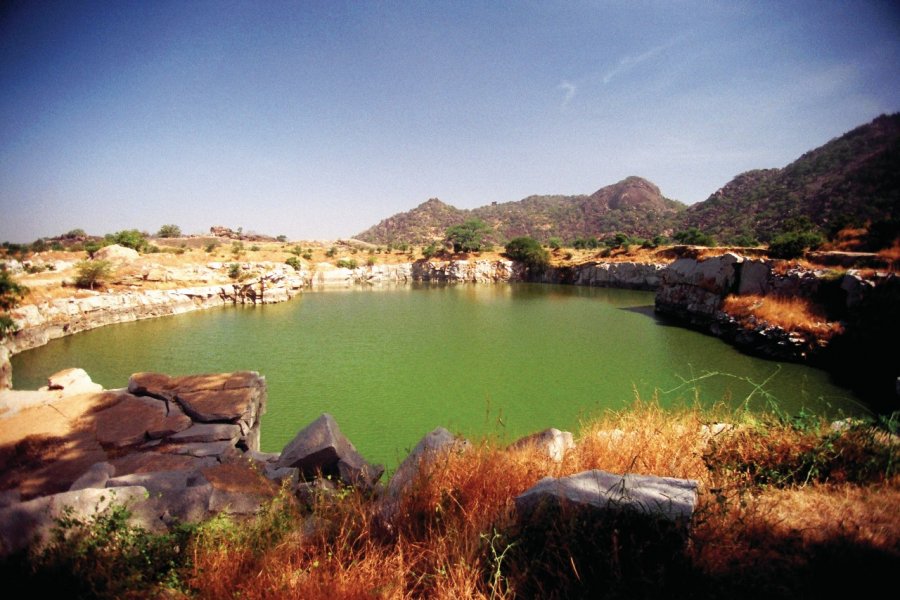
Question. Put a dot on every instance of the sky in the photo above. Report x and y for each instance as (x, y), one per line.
(316, 120)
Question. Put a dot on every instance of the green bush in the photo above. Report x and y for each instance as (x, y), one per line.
(130, 238)
(235, 271)
(347, 263)
(555, 243)
(694, 237)
(529, 252)
(294, 262)
(210, 247)
(331, 252)
(103, 556)
(169, 231)
(90, 273)
(10, 294)
(371, 260)
(794, 243)
(281, 238)
(430, 250)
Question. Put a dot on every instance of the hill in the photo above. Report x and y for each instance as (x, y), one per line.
(634, 206)
(852, 179)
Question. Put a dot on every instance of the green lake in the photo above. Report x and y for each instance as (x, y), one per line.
(393, 363)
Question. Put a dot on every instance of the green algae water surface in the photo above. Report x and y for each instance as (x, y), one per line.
(393, 363)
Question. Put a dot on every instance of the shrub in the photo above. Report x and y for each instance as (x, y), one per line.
(794, 243)
(347, 263)
(555, 243)
(92, 272)
(210, 247)
(10, 294)
(103, 556)
(237, 248)
(130, 238)
(694, 237)
(169, 231)
(371, 260)
(281, 238)
(255, 248)
(430, 250)
(235, 271)
(308, 255)
(294, 262)
(331, 252)
(529, 252)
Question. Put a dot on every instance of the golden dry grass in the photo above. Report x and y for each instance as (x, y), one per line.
(792, 314)
(459, 518)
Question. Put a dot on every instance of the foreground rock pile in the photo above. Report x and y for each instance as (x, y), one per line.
(182, 449)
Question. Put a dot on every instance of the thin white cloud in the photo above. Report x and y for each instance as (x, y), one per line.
(626, 63)
(570, 90)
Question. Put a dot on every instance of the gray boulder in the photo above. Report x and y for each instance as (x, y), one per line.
(322, 448)
(95, 477)
(603, 492)
(554, 441)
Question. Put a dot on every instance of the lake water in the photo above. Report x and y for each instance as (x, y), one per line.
(393, 363)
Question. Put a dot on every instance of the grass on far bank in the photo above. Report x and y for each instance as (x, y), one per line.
(790, 313)
(783, 504)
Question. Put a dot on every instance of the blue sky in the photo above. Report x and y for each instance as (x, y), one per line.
(319, 119)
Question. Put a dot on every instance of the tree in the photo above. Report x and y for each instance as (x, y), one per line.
(169, 231)
(92, 272)
(529, 252)
(468, 237)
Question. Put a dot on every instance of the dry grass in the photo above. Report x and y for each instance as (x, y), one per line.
(457, 536)
(792, 314)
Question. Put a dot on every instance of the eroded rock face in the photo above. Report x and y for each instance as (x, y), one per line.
(321, 448)
(229, 404)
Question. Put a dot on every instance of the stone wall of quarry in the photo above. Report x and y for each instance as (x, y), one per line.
(693, 291)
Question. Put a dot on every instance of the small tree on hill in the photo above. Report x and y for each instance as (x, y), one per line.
(90, 273)
(169, 231)
(468, 237)
(529, 252)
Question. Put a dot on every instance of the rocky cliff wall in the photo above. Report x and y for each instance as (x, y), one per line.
(693, 291)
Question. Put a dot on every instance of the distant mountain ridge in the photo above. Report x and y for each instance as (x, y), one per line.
(854, 178)
(633, 204)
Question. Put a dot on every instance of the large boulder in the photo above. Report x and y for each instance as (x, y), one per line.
(116, 253)
(321, 448)
(603, 492)
(5, 369)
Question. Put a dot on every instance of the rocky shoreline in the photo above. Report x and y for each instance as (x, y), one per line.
(690, 291)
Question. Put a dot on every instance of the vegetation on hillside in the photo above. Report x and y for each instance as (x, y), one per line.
(11, 292)
(783, 502)
(633, 205)
(851, 180)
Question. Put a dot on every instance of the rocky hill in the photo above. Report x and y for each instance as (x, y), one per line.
(850, 180)
(633, 205)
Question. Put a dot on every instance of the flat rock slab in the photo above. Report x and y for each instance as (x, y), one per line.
(159, 482)
(220, 405)
(208, 432)
(94, 477)
(663, 497)
(237, 489)
(148, 462)
(133, 420)
(73, 381)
